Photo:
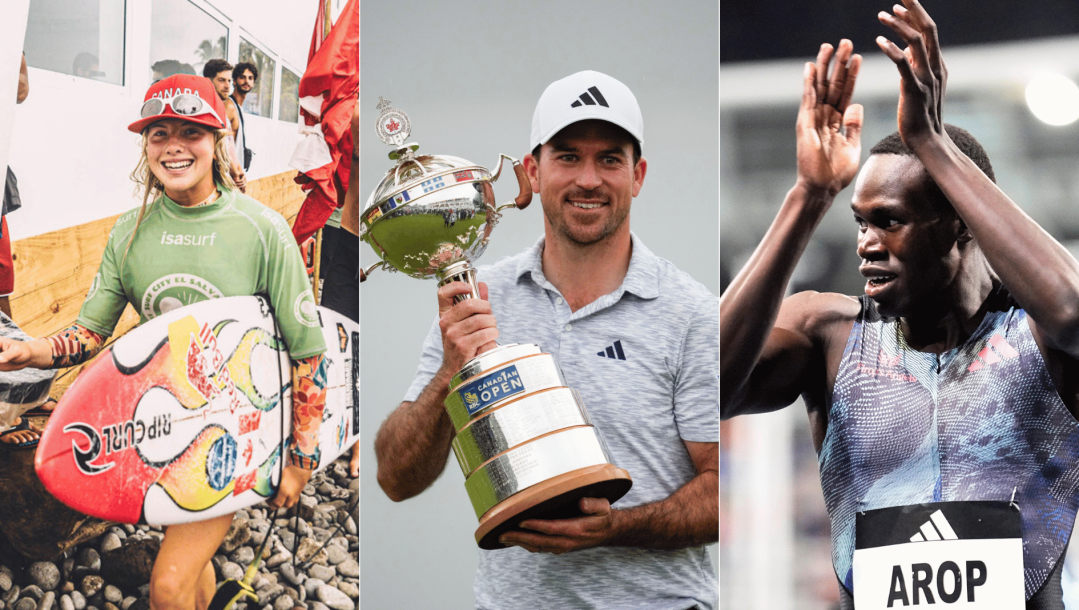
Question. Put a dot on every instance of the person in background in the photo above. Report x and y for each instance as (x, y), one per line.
(219, 72)
(11, 203)
(244, 77)
(342, 294)
(86, 65)
(167, 67)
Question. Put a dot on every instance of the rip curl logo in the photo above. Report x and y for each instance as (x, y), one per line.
(113, 439)
(305, 310)
(83, 457)
(174, 291)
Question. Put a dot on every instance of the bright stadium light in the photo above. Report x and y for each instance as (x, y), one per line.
(1054, 99)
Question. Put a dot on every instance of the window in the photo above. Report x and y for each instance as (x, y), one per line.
(183, 38)
(260, 100)
(83, 38)
(290, 97)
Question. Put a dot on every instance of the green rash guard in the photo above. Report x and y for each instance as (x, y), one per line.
(232, 247)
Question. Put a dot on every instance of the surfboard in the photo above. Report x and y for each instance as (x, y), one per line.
(187, 417)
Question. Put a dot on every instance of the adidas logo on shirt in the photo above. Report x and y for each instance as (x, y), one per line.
(988, 356)
(591, 100)
(613, 352)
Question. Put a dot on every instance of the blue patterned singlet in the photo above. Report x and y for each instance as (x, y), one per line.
(974, 423)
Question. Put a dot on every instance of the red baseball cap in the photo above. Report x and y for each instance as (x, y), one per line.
(183, 84)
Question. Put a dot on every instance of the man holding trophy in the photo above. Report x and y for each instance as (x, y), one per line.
(637, 340)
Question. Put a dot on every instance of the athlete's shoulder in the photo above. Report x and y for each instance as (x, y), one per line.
(819, 313)
(646, 267)
(126, 222)
(671, 279)
(248, 204)
(267, 220)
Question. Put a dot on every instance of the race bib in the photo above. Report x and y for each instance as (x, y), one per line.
(950, 554)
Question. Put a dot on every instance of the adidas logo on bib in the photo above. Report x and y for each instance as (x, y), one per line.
(937, 528)
(971, 558)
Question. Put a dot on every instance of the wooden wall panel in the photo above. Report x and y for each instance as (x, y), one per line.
(53, 271)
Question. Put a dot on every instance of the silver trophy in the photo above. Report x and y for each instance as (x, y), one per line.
(523, 439)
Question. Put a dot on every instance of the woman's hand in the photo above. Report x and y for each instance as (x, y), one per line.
(293, 480)
(15, 354)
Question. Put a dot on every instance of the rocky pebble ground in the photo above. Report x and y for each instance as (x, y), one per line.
(112, 572)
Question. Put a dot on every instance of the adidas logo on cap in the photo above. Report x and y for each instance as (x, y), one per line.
(583, 96)
(591, 100)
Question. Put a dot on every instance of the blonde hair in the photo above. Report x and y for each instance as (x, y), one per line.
(147, 184)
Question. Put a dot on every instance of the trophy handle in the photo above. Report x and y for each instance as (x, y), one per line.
(365, 272)
(525, 196)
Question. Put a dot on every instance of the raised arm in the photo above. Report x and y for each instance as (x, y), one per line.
(1041, 275)
(761, 366)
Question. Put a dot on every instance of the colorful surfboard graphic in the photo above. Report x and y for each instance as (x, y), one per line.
(182, 419)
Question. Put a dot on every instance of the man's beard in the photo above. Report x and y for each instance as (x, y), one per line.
(590, 235)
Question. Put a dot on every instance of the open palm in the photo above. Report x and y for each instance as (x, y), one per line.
(829, 127)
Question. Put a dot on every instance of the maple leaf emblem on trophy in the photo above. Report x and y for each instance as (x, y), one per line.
(392, 126)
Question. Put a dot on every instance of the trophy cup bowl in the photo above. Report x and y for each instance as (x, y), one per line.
(523, 439)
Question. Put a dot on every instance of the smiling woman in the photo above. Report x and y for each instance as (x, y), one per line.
(179, 153)
(195, 237)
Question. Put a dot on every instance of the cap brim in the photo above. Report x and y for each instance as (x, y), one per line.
(586, 117)
(205, 120)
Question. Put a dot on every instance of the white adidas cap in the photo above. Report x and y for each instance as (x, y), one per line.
(582, 96)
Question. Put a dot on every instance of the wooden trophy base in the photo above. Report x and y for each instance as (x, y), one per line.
(555, 498)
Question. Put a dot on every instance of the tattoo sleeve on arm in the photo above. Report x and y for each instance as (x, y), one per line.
(308, 401)
(74, 345)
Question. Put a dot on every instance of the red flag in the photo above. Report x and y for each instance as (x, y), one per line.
(332, 75)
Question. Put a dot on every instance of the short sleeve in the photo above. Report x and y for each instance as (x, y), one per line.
(290, 292)
(696, 391)
(106, 300)
(430, 362)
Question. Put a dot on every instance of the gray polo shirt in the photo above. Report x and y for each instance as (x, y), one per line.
(645, 360)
